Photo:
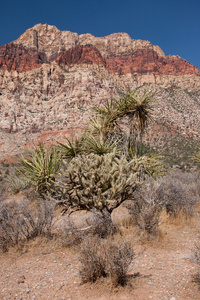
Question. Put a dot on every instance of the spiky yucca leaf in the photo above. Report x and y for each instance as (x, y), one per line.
(138, 107)
(99, 146)
(108, 109)
(71, 148)
(41, 167)
(101, 125)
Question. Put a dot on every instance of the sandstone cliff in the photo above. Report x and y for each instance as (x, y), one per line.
(49, 79)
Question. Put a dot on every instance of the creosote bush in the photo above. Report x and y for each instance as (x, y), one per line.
(105, 258)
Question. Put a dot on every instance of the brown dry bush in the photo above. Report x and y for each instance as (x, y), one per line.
(146, 216)
(105, 258)
(177, 193)
(19, 223)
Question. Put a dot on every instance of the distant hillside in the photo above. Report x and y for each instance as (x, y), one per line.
(49, 80)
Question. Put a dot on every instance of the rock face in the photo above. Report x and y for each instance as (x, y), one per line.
(49, 79)
(18, 58)
(87, 54)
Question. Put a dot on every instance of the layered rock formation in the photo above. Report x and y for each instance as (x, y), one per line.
(49, 79)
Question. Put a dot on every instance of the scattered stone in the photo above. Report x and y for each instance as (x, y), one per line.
(21, 279)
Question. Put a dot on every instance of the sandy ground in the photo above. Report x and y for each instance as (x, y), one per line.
(162, 269)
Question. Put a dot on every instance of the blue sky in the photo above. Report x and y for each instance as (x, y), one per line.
(174, 25)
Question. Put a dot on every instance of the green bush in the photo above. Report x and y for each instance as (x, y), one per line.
(102, 182)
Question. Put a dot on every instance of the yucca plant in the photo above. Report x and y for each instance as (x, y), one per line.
(196, 157)
(137, 107)
(41, 166)
(108, 109)
(70, 149)
(98, 146)
(101, 125)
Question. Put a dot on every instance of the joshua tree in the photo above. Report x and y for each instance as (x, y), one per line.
(137, 107)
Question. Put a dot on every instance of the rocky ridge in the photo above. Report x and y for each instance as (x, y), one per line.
(49, 79)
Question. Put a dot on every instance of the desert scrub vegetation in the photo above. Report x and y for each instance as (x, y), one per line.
(176, 193)
(105, 258)
(97, 173)
(16, 183)
(102, 182)
(71, 149)
(19, 223)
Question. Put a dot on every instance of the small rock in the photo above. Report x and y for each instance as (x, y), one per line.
(21, 279)
(151, 283)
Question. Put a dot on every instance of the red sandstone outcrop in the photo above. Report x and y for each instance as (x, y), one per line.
(18, 58)
(87, 54)
(148, 62)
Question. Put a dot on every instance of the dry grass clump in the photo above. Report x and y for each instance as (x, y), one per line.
(16, 183)
(19, 223)
(105, 258)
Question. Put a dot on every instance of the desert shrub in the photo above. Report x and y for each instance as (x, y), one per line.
(146, 214)
(93, 262)
(3, 189)
(176, 195)
(102, 182)
(41, 167)
(19, 223)
(16, 183)
(105, 258)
